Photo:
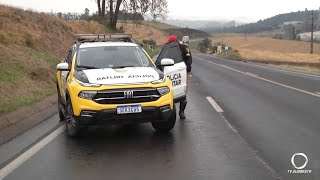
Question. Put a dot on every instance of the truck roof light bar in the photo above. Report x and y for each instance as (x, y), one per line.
(102, 36)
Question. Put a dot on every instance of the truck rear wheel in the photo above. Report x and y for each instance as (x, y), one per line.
(61, 115)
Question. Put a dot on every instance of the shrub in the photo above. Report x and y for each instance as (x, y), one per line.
(29, 40)
(4, 40)
(149, 42)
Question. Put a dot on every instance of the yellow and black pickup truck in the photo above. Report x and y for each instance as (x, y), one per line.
(109, 79)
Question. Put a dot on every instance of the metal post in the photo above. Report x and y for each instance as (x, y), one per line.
(311, 39)
(245, 33)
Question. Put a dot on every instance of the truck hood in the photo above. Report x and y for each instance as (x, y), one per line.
(129, 75)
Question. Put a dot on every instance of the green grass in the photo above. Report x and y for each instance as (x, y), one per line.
(4, 39)
(11, 71)
(14, 73)
(233, 55)
(46, 57)
(194, 44)
(154, 52)
(17, 102)
(148, 50)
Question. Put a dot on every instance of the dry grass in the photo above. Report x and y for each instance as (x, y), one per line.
(31, 44)
(141, 32)
(41, 31)
(268, 49)
(308, 69)
(159, 25)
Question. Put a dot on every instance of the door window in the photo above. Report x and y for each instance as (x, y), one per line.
(171, 51)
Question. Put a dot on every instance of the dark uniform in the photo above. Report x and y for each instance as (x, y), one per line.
(185, 54)
(187, 57)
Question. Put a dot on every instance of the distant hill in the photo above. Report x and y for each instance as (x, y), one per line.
(193, 33)
(270, 23)
(204, 25)
(159, 31)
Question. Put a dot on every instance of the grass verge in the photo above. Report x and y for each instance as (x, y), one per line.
(233, 55)
(303, 69)
(11, 71)
(34, 96)
(52, 61)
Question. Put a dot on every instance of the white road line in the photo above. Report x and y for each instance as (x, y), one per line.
(251, 74)
(29, 153)
(230, 126)
(214, 104)
(219, 110)
(263, 79)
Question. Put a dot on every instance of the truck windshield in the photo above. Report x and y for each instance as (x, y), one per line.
(112, 57)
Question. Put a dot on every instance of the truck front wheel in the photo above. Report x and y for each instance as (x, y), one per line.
(73, 126)
(166, 126)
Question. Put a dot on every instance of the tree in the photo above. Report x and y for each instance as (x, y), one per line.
(86, 12)
(150, 42)
(156, 8)
(59, 14)
(69, 16)
(99, 7)
(204, 45)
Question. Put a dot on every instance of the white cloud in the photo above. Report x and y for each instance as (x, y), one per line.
(55, 6)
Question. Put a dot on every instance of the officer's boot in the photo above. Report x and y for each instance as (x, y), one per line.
(183, 105)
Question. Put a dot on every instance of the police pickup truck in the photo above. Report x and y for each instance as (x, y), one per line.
(109, 79)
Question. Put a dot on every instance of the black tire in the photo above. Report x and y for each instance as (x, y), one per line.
(166, 126)
(61, 115)
(72, 124)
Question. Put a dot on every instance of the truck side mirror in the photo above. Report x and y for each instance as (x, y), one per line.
(167, 62)
(63, 67)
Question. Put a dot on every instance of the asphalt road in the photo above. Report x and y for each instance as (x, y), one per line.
(266, 116)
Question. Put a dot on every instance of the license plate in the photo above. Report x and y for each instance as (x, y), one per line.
(129, 109)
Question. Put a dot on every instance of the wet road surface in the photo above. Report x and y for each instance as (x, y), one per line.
(262, 126)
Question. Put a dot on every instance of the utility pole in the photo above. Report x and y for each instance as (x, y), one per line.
(222, 37)
(245, 33)
(311, 39)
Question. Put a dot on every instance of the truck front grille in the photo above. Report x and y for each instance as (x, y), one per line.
(120, 96)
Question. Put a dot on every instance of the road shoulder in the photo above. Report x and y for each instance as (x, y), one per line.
(17, 122)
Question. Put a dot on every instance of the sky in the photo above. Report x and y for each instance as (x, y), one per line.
(239, 10)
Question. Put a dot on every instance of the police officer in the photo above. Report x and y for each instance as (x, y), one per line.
(187, 57)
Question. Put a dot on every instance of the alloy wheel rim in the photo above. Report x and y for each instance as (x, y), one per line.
(71, 121)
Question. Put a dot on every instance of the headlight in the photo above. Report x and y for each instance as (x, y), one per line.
(163, 90)
(82, 79)
(87, 94)
(159, 81)
(87, 84)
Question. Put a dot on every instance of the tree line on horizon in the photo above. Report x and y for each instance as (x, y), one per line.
(87, 16)
(110, 11)
(268, 24)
